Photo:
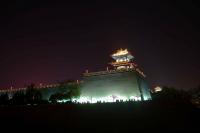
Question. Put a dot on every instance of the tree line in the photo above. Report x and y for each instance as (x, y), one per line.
(67, 92)
(173, 95)
(32, 95)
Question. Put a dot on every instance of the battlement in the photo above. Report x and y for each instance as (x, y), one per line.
(114, 71)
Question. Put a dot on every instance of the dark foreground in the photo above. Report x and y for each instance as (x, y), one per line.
(118, 117)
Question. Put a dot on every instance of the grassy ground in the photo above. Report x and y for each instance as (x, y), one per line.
(118, 117)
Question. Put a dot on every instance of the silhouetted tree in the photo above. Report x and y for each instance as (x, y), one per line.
(67, 92)
(195, 92)
(58, 96)
(33, 95)
(74, 91)
(170, 94)
(4, 99)
(18, 98)
(195, 95)
(53, 98)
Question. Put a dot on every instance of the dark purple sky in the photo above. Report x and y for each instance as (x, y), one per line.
(49, 42)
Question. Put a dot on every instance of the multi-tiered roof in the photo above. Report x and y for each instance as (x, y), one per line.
(123, 62)
(122, 59)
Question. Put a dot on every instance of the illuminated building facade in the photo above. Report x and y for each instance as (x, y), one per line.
(122, 83)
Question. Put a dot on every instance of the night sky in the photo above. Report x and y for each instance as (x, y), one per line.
(47, 42)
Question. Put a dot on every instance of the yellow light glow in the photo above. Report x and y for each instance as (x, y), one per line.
(157, 89)
(121, 52)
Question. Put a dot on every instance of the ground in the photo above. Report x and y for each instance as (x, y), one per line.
(118, 117)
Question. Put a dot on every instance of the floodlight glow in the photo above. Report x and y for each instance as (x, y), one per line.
(108, 99)
(62, 101)
(157, 89)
